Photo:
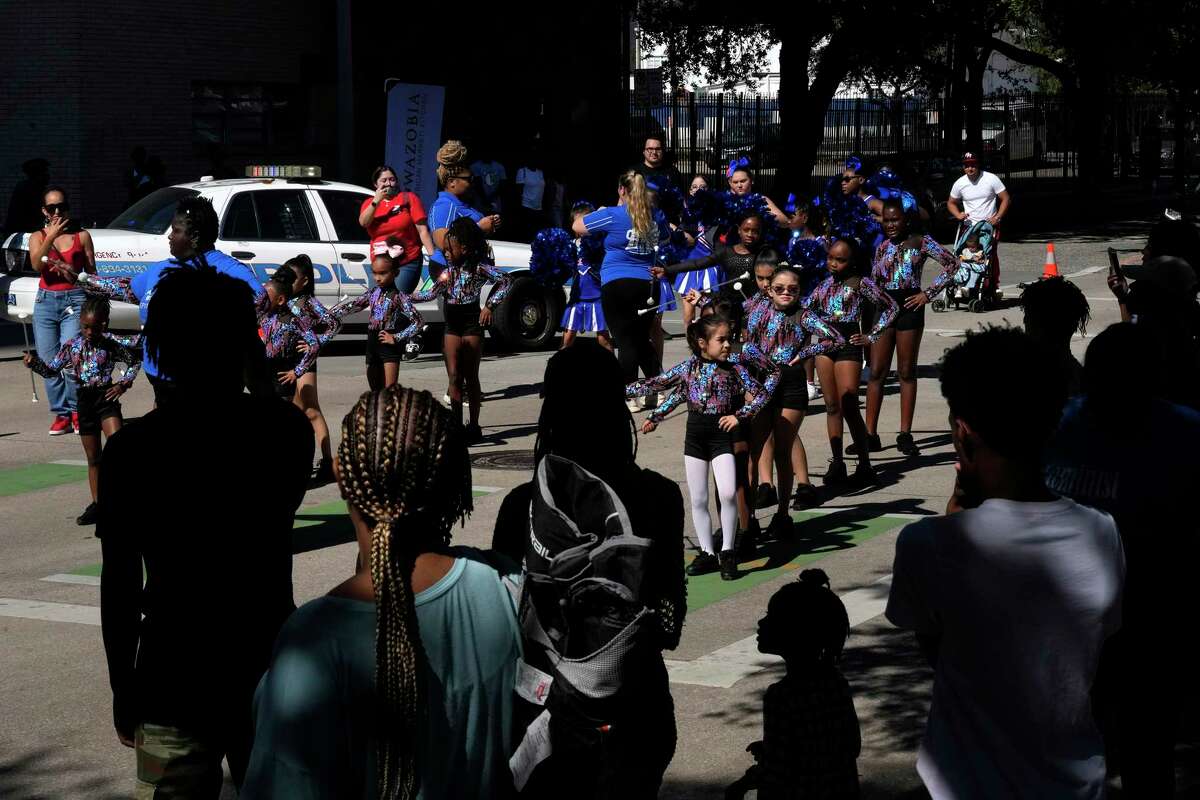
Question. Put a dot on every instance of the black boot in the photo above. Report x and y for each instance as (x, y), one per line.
(747, 542)
(729, 570)
(806, 496)
(89, 515)
(835, 473)
(906, 445)
(702, 564)
(765, 496)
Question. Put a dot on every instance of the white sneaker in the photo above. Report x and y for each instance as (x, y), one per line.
(813, 391)
(446, 398)
(634, 405)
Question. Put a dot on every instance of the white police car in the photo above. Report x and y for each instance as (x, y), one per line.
(266, 219)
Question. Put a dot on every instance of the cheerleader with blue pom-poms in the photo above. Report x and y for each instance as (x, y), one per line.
(583, 312)
(741, 190)
(716, 392)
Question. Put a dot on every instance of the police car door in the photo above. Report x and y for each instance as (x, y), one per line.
(265, 226)
(351, 245)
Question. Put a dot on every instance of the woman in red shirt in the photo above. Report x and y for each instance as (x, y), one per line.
(395, 221)
(59, 251)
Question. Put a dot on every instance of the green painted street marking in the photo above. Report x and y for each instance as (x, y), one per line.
(33, 477)
(815, 536)
(90, 569)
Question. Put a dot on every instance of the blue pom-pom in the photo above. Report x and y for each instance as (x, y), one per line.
(552, 257)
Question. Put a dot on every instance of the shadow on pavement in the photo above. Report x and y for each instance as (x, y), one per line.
(323, 530)
(27, 776)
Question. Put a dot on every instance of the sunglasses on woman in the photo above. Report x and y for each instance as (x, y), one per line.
(56, 208)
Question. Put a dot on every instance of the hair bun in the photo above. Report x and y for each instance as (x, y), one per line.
(814, 576)
(452, 154)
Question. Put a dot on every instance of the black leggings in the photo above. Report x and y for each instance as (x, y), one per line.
(621, 299)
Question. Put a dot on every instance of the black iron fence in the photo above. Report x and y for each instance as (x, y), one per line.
(1023, 135)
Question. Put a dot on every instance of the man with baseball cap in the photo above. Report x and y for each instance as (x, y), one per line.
(980, 196)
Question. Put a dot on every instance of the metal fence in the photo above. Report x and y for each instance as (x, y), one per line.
(1024, 135)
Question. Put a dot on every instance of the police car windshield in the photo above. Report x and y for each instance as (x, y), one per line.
(153, 213)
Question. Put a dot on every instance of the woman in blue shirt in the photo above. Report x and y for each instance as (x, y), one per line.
(631, 238)
(454, 176)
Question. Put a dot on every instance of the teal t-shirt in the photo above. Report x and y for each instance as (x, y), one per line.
(315, 707)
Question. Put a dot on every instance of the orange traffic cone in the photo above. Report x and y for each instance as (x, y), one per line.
(1051, 268)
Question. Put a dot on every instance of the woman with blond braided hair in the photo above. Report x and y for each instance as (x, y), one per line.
(454, 176)
(399, 682)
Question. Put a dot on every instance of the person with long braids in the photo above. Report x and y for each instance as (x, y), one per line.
(399, 682)
(631, 238)
(838, 302)
(897, 270)
(454, 176)
(192, 241)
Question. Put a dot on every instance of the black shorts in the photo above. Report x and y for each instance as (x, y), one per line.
(907, 319)
(704, 438)
(277, 365)
(792, 390)
(847, 352)
(93, 409)
(380, 353)
(462, 320)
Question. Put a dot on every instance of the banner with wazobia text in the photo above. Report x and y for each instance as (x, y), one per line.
(414, 132)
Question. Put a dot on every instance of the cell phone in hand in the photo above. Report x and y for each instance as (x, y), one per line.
(1114, 264)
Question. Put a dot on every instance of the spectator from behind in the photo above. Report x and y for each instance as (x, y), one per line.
(401, 678)
(186, 649)
(1055, 310)
(534, 196)
(1131, 454)
(1012, 600)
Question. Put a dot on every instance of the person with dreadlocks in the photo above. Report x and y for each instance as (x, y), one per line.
(88, 359)
(1055, 310)
(192, 241)
(454, 176)
(399, 682)
(468, 270)
(811, 739)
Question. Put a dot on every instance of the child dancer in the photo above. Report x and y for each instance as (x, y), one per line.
(88, 359)
(775, 332)
(389, 306)
(468, 270)
(291, 347)
(897, 270)
(313, 315)
(838, 302)
(811, 740)
(715, 390)
(583, 312)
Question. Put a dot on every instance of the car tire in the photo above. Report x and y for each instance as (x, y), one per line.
(527, 319)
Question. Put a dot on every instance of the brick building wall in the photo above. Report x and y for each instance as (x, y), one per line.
(83, 85)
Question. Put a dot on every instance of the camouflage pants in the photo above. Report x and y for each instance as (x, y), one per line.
(172, 763)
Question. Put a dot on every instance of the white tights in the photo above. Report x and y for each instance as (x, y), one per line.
(725, 471)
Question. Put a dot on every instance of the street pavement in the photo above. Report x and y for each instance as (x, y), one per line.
(56, 737)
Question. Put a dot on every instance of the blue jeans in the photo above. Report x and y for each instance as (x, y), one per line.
(409, 277)
(56, 322)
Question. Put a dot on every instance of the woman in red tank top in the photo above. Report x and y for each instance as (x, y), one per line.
(59, 254)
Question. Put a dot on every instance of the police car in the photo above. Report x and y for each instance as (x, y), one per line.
(273, 214)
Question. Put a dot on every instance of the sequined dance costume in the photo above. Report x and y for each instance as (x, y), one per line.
(839, 304)
(90, 363)
(282, 332)
(316, 317)
(387, 307)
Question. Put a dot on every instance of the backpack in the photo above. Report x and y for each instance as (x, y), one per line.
(587, 628)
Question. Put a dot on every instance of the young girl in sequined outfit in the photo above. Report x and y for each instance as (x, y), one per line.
(306, 307)
(896, 268)
(88, 360)
(389, 308)
(776, 328)
(291, 346)
(838, 302)
(461, 284)
(715, 390)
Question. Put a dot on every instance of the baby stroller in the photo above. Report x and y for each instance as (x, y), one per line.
(972, 283)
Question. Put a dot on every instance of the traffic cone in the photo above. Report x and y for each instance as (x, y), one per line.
(1051, 268)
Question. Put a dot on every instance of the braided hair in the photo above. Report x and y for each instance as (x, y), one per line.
(95, 305)
(466, 232)
(198, 219)
(402, 464)
(452, 161)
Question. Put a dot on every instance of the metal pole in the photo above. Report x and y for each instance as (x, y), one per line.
(25, 330)
(1007, 141)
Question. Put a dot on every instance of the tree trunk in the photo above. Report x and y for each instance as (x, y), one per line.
(973, 97)
(803, 103)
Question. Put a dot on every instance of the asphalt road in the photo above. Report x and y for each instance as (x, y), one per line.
(56, 738)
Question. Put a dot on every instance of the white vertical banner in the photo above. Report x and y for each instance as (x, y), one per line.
(414, 132)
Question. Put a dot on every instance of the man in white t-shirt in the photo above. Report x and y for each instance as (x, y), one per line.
(980, 196)
(1013, 598)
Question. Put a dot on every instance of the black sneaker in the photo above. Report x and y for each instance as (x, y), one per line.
(474, 434)
(865, 475)
(729, 570)
(780, 527)
(835, 473)
(702, 564)
(323, 476)
(806, 496)
(89, 515)
(747, 541)
(906, 445)
(872, 441)
(765, 496)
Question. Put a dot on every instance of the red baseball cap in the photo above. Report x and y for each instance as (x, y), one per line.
(969, 158)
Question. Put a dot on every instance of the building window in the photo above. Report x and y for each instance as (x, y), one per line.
(258, 118)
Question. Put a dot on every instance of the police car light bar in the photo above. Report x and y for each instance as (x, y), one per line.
(282, 171)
